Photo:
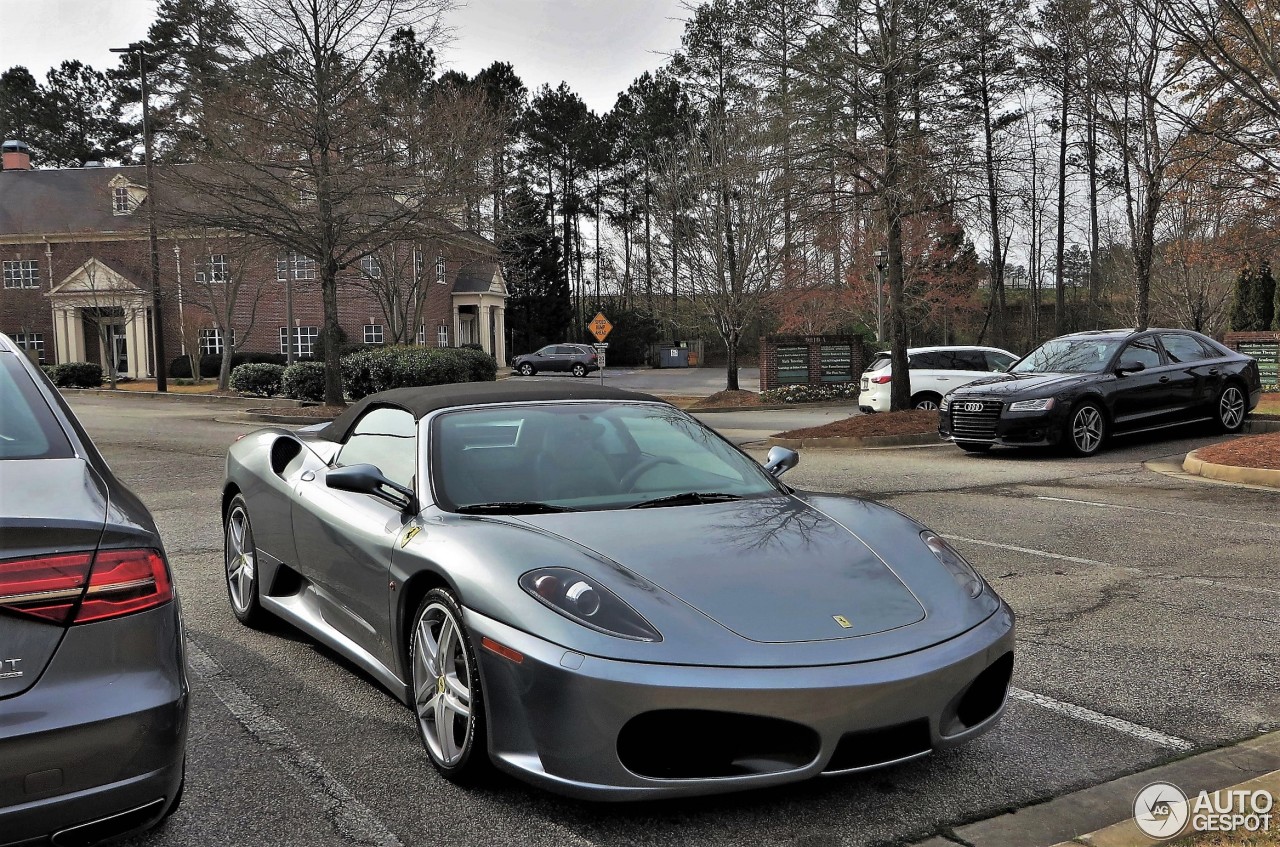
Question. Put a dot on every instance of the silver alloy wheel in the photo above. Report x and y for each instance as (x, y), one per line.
(442, 685)
(927, 405)
(241, 565)
(1086, 429)
(526, 369)
(1231, 408)
(579, 370)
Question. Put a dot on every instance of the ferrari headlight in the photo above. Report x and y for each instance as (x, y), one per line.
(960, 570)
(584, 600)
(1042, 405)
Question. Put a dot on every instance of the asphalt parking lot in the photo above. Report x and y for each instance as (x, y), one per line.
(1148, 612)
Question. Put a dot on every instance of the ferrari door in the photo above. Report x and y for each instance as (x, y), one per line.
(345, 539)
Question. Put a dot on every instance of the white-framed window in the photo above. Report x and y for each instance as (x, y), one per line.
(419, 263)
(21, 273)
(213, 269)
(304, 340)
(211, 341)
(439, 268)
(121, 201)
(442, 335)
(421, 337)
(373, 334)
(301, 267)
(32, 342)
(371, 267)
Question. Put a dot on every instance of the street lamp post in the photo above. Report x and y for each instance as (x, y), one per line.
(157, 318)
(881, 256)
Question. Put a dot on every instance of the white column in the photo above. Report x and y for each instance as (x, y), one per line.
(483, 314)
(501, 353)
(456, 338)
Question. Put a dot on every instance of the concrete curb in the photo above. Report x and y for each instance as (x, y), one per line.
(254, 415)
(208, 399)
(855, 443)
(1091, 811)
(1195, 466)
(1127, 833)
(1255, 426)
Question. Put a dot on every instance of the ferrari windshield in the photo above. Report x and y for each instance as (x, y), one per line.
(1069, 355)
(546, 457)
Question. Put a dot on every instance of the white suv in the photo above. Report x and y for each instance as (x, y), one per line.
(934, 372)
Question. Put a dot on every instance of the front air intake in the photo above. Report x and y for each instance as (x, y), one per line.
(694, 744)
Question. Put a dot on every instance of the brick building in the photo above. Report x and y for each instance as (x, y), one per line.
(76, 279)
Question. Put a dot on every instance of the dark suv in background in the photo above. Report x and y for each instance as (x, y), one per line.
(577, 359)
(93, 684)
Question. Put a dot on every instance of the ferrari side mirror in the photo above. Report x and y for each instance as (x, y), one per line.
(781, 460)
(367, 479)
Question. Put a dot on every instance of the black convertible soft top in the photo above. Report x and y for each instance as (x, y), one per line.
(425, 399)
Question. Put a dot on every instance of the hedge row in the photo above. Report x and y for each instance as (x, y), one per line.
(75, 375)
(211, 364)
(368, 371)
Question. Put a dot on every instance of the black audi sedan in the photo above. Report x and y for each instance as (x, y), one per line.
(93, 684)
(1079, 390)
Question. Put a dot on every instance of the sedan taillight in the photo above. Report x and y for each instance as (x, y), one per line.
(53, 588)
(47, 587)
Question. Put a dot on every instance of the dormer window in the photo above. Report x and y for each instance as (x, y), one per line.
(125, 196)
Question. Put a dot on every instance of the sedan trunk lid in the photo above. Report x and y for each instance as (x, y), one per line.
(51, 510)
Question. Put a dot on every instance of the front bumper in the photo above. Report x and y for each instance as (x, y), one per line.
(1011, 429)
(555, 719)
(103, 731)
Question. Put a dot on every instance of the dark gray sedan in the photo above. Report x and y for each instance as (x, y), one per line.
(93, 686)
(594, 592)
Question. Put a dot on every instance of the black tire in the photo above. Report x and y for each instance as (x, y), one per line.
(926, 400)
(1230, 408)
(461, 758)
(973, 446)
(242, 585)
(527, 369)
(1086, 431)
(579, 369)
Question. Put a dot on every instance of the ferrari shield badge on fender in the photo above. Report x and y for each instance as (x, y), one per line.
(842, 620)
(409, 536)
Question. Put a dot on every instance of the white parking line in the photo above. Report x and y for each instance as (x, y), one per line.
(1138, 731)
(353, 820)
(1156, 511)
(1190, 580)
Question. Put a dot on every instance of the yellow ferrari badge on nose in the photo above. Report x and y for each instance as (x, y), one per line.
(842, 620)
(408, 536)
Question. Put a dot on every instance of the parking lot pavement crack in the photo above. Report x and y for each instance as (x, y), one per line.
(350, 818)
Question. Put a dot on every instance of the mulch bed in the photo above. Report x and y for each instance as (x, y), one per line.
(320, 413)
(910, 422)
(1252, 451)
(730, 399)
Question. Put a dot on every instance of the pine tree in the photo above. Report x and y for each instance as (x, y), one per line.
(1242, 315)
(1264, 294)
(539, 309)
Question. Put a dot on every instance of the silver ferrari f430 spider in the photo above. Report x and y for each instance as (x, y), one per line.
(589, 589)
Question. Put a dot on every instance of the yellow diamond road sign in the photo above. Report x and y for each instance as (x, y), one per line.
(600, 326)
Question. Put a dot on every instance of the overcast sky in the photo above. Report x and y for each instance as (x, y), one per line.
(597, 46)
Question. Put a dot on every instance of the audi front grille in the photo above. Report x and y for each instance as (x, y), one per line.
(975, 420)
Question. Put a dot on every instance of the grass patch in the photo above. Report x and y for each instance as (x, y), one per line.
(1268, 405)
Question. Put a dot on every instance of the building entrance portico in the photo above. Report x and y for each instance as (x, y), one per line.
(101, 316)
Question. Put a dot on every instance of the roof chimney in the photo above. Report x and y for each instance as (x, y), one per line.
(15, 156)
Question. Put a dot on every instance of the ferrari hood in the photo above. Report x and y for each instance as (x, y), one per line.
(772, 570)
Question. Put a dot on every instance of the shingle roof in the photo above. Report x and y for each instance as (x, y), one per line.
(475, 277)
(68, 200)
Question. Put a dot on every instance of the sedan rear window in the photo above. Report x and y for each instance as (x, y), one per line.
(28, 429)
